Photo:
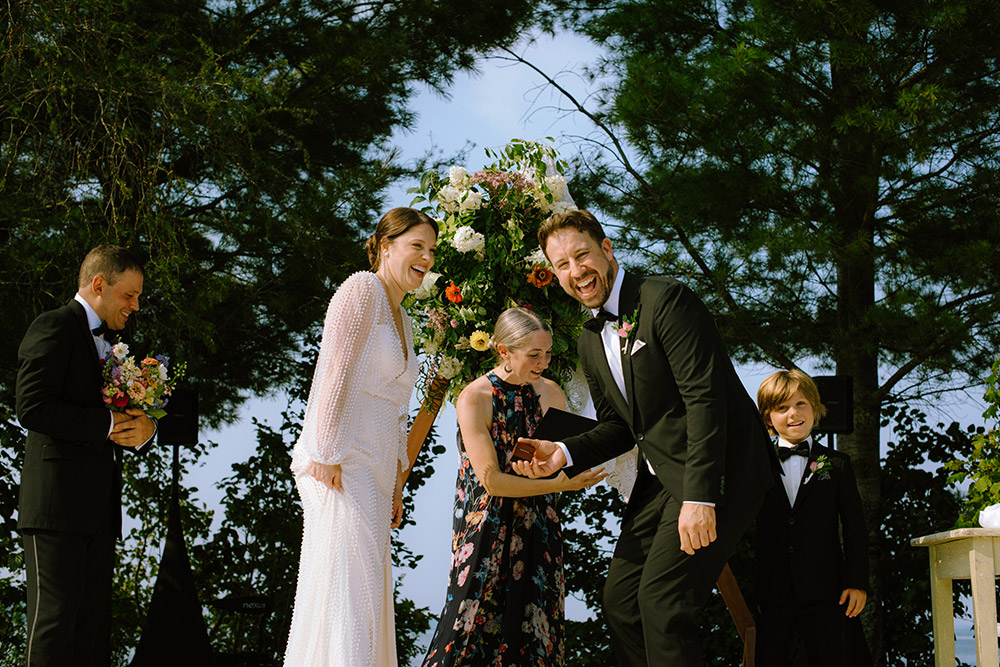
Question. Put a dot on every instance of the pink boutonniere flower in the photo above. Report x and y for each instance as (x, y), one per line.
(626, 325)
(820, 468)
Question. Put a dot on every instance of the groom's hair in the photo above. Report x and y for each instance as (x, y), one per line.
(779, 386)
(580, 220)
(110, 261)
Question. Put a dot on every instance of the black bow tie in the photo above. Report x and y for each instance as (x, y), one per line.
(102, 330)
(596, 324)
(801, 449)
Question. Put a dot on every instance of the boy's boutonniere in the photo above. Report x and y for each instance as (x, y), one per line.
(626, 325)
(820, 468)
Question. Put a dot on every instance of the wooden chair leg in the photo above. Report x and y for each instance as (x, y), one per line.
(738, 609)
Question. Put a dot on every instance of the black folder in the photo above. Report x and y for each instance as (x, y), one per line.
(555, 425)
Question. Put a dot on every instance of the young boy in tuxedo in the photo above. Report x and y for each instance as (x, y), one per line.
(808, 583)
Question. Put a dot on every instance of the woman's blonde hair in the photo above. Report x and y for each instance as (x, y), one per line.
(779, 386)
(513, 326)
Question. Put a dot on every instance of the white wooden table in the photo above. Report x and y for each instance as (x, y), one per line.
(964, 553)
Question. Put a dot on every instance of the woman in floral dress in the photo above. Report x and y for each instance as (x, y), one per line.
(505, 602)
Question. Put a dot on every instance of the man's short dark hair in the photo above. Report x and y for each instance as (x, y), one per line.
(110, 261)
(580, 220)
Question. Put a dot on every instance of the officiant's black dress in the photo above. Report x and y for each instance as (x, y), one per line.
(505, 603)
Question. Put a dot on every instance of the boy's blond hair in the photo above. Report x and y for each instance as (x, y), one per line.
(779, 386)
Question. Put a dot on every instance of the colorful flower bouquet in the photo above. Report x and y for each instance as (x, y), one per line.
(145, 385)
(488, 260)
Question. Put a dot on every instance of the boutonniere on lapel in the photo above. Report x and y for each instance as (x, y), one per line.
(625, 326)
(820, 468)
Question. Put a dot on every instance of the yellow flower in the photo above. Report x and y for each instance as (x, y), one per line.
(479, 340)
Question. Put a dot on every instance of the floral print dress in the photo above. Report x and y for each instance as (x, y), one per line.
(505, 603)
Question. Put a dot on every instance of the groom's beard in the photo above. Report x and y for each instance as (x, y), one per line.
(604, 283)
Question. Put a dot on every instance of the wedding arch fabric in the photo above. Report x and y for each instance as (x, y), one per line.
(355, 417)
(621, 471)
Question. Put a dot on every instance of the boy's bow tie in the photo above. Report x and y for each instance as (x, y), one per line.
(801, 449)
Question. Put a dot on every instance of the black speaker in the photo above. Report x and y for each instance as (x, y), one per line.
(180, 426)
(836, 393)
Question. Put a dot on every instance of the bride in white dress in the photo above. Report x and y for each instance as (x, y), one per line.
(351, 455)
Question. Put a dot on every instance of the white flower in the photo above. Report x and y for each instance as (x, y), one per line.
(426, 289)
(472, 201)
(458, 177)
(162, 370)
(449, 367)
(449, 197)
(536, 257)
(120, 350)
(463, 343)
(467, 239)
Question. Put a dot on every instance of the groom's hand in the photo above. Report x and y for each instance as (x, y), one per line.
(548, 459)
(696, 527)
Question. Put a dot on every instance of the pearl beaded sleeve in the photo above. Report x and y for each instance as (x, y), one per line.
(343, 353)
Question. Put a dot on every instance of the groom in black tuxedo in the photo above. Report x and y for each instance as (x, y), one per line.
(660, 377)
(69, 509)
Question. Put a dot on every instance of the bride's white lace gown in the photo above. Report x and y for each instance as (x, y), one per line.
(356, 417)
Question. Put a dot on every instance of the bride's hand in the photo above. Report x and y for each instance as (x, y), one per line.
(397, 504)
(327, 475)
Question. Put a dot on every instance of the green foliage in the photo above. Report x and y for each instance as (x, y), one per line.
(488, 260)
(919, 500)
(590, 528)
(13, 592)
(982, 468)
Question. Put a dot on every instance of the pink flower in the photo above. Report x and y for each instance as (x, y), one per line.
(464, 553)
(463, 575)
(518, 570)
(625, 329)
(454, 324)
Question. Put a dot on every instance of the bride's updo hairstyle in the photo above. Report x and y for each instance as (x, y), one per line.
(513, 326)
(395, 222)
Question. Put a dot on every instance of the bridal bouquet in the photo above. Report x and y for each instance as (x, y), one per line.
(145, 385)
(488, 260)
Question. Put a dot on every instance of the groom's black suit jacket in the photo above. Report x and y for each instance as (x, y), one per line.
(71, 480)
(799, 547)
(687, 409)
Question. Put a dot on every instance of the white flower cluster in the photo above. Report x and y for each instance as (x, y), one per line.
(561, 199)
(427, 288)
(458, 177)
(449, 367)
(536, 257)
(467, 239)
(458, 196)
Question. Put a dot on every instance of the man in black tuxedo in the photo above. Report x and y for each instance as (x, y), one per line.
(660, 377)
(69, 509)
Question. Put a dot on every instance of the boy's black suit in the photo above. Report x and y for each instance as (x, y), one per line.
(802, 567)
(69, 508)
(694, 422)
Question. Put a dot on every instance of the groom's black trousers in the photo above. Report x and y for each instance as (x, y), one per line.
(654, 590)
